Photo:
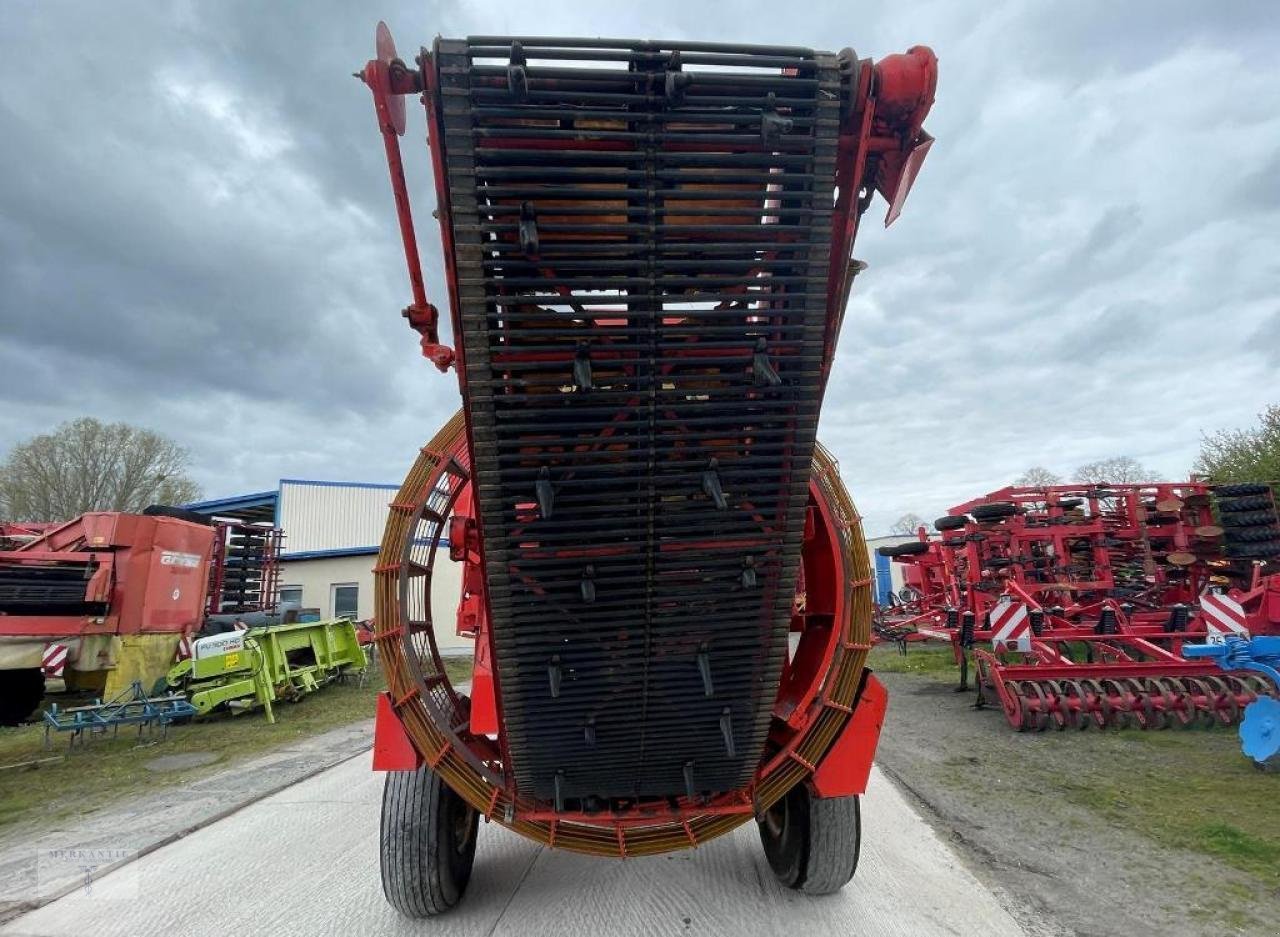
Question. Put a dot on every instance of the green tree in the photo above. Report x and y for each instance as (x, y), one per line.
(85, 465)
(1243, 455)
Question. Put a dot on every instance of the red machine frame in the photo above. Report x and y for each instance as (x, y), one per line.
(1123, 572)
(147, 573)
(828, 709)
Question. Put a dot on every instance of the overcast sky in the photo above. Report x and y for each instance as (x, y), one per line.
(197, 234)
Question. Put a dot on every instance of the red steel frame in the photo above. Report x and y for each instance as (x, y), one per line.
(1165, 538)
(826, 726)
(148, 573)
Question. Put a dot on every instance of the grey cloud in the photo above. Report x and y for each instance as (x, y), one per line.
(196, 233)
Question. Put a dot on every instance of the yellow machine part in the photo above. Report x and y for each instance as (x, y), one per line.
(145, 658)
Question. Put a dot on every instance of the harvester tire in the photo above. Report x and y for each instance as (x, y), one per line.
(1253, 534)
(910, 548)
(1259, 551)
(182, 514)
(1240, 490)
(994, 511)
(812, 843)
(1250, 503)
(1249, 519)
(428, 843)
(23, 689)
(950, 522)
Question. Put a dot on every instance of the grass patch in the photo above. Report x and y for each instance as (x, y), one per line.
(1189, 788)
(1186, 788)
(920, 659)
(1239, 847)
(108, 769)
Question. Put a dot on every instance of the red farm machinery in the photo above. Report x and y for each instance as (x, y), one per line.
(109, 598)
(1075, 602)
(648, 254)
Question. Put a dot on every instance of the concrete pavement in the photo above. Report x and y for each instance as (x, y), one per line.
(43, 859)
(306, 860)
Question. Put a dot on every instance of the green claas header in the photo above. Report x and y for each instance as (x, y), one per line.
(260, 666)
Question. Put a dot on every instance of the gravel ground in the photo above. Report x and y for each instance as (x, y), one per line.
(1018, 804)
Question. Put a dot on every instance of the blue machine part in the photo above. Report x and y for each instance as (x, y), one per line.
(884, 580)
(1260, 728)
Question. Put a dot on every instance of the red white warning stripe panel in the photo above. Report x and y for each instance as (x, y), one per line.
(1223, 616)
(183, 651)
(1010, 627)
(54, 660)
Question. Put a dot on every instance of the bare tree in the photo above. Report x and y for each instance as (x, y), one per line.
(1119, 470)
(1037, 477)
(907, 524)
(85, 465)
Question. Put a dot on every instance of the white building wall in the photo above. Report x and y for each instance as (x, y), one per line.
(321, 516)
(317, 577)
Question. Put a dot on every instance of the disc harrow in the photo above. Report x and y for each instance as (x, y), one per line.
(1075, 602)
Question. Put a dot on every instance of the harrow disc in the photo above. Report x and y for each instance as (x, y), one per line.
(1260, 730)
(1037, 706)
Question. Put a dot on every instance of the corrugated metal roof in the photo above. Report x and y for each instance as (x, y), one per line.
(258, 506)
(319, 516)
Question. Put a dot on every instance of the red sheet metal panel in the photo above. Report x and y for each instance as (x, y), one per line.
(847, 765)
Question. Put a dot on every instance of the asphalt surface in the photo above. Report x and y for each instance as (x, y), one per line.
(305, 860)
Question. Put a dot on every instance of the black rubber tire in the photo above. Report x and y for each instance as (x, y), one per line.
(950, 522)
(1241, 490)
(1250, 503)
(1253, 534)
(1258, 551)
(20, 694)
(910, 548)
(428, 843)
(1249, 519)
(812, 843)
(994, 511)
(181, 514)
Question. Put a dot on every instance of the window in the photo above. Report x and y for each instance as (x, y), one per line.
(291, 595)
(346, 600)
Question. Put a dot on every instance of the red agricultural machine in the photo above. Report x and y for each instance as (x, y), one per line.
(647, 247)
(109, 598)
(1075, 602)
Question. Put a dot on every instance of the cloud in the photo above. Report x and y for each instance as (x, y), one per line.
(196, 234)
